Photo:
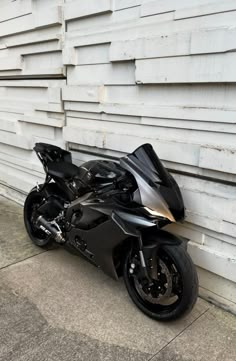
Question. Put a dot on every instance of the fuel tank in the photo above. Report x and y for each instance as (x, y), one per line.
(102, 171)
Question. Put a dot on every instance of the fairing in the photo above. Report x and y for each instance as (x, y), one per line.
(157, 189)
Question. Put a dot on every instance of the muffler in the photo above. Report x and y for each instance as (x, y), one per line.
(49, 229)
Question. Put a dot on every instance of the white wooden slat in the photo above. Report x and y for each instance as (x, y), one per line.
(100, 74)
(213, 41)
(125, 4)
(49, 107)
(7, 125)
(204, 204)
(94, 54)
(221, 159)
(16, 9)
(220, 246)
(35, 36)
(202, 96)
(190, 125)
(80, 9)
(164, 45)
(52, 16)
(211, 8)
(230, 229)
(20, 178)
(54, 95)
(204, 257)
(189, 43)
(196, 172)
(34, 119)
(125, 15)
(37, 130)
(82, 93)
(158, 7)
(30, 83)
(82, 106)
(50, 60)
(205, 186)
(11, 63)
(15, 140)
(195, 69)
(69, 56)
(187, 112)
(185, 8)
(85, 55)
(13, 164)
(217, 289)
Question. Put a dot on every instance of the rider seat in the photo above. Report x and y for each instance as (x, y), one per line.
(64, 170)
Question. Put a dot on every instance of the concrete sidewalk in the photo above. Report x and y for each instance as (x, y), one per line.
(55, 306)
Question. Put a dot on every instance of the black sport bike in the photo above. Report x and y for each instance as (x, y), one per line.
(112, 213)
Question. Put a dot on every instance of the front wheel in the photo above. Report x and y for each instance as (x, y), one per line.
(174, 287)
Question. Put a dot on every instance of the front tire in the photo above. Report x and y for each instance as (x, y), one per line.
(182, 279)
(32, 202)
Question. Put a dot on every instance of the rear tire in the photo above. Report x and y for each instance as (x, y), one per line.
(187, 275)
(38, 237)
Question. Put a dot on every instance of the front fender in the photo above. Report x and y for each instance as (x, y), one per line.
(161, 237)
(155, 238)
(153, 242)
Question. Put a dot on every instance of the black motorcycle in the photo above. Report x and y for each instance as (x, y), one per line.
(112, 213)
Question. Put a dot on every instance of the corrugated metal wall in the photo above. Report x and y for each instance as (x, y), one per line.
(105, 76)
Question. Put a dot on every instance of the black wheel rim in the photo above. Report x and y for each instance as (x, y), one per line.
(176, 292)
(31, 215)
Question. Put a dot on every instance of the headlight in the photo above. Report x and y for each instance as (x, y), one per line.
(154, 213)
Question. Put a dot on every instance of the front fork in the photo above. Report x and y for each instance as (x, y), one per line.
(145, 253)
(148, 261)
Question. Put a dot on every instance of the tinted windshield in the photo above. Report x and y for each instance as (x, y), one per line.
(147, 159)
(157, 188)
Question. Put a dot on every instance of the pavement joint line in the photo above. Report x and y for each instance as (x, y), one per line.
(25, 259)
(179, 334)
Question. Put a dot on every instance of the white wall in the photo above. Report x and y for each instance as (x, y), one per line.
(31, 80)
(136, 71)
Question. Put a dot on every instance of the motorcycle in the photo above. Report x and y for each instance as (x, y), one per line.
(113, 213)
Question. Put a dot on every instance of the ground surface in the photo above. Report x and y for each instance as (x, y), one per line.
(56, 307)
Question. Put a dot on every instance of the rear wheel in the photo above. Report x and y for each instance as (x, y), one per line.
(32, 203)
(174, 287)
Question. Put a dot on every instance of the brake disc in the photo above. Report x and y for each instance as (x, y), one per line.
(161, 296)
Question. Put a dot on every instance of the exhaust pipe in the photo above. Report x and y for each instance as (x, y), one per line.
(47, 227)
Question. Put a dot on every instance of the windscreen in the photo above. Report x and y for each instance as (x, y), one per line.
(152, 179)
(146, 158)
